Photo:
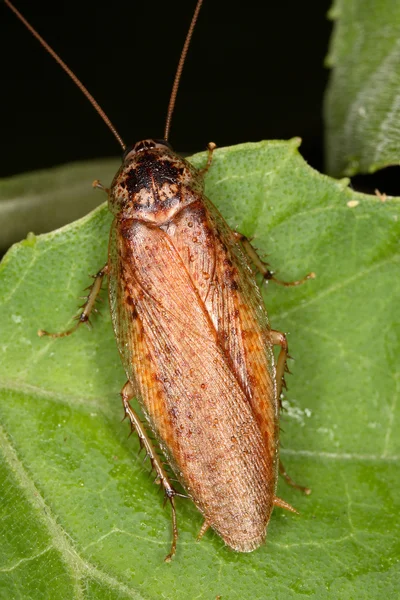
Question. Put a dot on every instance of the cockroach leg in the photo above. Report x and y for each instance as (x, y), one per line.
(290, 481)
(87, 308)
(261, 266)
(279, 339)
(203, 529)
(268, 276)
(210, 147)
(98, 185)
(127, 393)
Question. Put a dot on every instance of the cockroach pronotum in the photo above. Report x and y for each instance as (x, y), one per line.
(193, 335)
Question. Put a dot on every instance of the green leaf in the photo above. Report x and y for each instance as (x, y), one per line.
(80, 517)
(44, 200)
(362, 104)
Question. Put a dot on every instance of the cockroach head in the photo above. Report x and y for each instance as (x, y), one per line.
(153, 183)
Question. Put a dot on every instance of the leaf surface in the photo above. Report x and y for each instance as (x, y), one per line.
(80, 516)
(362, 104)
(44, 200)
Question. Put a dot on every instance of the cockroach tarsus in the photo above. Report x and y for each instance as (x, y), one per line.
(193, 335)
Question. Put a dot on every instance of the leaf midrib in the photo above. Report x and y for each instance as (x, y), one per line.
(61, 541)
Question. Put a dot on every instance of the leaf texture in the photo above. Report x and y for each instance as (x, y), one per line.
(362, 104)
(80, 518)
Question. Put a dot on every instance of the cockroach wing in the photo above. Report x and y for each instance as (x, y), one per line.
(183, 377)
(225, 282)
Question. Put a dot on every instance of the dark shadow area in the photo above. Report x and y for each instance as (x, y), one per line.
(254, 71)
(386, 181)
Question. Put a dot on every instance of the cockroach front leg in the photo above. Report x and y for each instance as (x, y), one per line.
(279, 339)
(87, 308)
(97, 185)
(127, 394)
(261, 266)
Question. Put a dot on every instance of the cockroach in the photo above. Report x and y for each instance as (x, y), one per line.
(193, 335)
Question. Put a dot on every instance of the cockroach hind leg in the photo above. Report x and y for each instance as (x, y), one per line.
(127, 393)
(285, 505)
(210, 147)
(174, 532)
(289, 480)
(261, 266)
(87, 308)
(279, 339)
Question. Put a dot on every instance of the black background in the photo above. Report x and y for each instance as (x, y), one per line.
(254, 71)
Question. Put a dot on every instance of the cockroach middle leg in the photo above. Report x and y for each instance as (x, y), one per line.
(127, 393)
(261, 266)
(278, 339)
(210, 147)
(87, 308)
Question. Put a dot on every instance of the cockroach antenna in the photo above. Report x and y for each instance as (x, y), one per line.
(72, 75)
(179, 69)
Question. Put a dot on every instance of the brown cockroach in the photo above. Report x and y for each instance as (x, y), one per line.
(193, 335)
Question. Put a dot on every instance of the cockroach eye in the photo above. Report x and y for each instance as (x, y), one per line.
(145, 145)
(163, 143)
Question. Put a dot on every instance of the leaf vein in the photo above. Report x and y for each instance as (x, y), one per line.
(77, 566)
(338, 286)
